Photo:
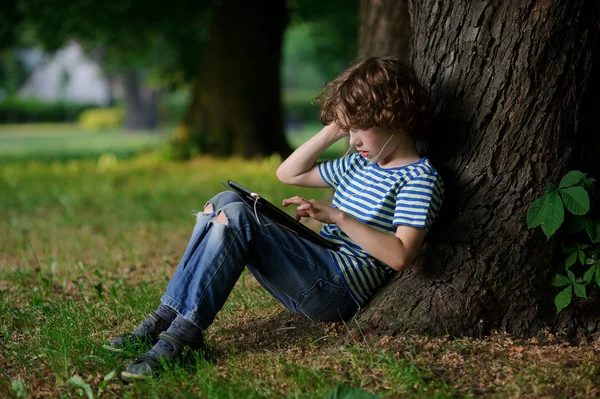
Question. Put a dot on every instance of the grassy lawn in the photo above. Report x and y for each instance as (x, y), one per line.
(62, 142)
(88, 246)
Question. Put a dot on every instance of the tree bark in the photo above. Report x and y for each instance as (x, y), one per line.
(141, 103)
(236, 105)
(507, 80)
(384, 28)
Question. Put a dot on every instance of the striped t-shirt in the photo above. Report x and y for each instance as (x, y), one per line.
(384, 199)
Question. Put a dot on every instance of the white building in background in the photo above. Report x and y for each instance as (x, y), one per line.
(68, 75)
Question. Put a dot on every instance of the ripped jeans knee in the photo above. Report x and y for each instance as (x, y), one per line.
(209, 209)
(219, 201)
(221, 218)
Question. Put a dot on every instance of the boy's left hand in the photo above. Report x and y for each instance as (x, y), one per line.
(313, 209)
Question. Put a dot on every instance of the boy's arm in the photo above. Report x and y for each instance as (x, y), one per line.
(397, 251)
(300, 168)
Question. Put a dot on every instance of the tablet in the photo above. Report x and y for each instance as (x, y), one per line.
(276, 215)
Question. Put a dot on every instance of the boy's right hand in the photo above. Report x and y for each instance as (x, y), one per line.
(336, 131)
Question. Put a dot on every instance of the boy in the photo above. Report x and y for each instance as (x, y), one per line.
(386, 197)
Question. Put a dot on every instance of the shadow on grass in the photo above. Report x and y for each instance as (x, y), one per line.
(281, 330)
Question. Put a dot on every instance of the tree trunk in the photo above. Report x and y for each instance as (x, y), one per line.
(236, 105)
(384, 28)
(141, 104)
(507, 80)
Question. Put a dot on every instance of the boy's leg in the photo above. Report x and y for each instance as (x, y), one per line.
(300, 274)
(207, 275)
(202, 223)
(147, 332)
(303, 276)
(205, 278)
(160, 319)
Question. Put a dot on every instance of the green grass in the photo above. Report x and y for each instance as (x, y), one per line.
(87, 248)
(64, 142)
(60, 142)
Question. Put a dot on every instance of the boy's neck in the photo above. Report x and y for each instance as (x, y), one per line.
(405, 153)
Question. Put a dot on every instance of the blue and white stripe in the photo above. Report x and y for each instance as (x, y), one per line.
(410, 195)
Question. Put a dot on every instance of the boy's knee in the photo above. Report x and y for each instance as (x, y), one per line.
(220, 200)
(222, 218)
(224, 198)
(237, 211)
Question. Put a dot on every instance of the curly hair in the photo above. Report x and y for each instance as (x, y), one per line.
(377, 91)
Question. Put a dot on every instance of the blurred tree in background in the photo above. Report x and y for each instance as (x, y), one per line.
(228, 53)
(236, 98)
(149, 48)
(332, 27)
(11, 69)
(10, 18)
(13, 72)
(236, 104)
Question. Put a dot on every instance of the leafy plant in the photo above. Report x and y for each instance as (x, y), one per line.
(80, 383)
(343, 391)
(582, 262)
(18, 389)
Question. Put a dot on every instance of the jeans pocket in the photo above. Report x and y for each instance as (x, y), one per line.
(324, 301)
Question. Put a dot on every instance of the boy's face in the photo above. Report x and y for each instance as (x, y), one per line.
(374, 143)
(371, 143)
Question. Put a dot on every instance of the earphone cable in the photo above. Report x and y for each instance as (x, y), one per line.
(256, 198)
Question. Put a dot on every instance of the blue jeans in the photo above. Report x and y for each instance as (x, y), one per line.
(300, 274)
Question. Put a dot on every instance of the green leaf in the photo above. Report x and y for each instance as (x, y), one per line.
(582, 257)
(552, 214)
(18, 388)
(551, 187)
(105, 381)
(593, 230)
(534, 214)
(590, 261)
(589, 184)
(577, 223)
(579, 290)
(342, 391)
(589, 274)
(560, 281)
(563, 298)
(78, 382)
(571, 275)
(577, 200)
(109, 376)
(570, 261)
(572, 178)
